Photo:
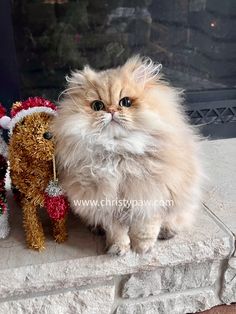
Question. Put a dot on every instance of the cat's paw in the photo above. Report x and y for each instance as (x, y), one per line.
(166, 233)
(142, 246)
(98, 230)
(118, 249)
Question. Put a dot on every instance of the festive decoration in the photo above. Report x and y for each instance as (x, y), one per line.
(30, 106)
(32, 169)
(4, 226)
(55, 202)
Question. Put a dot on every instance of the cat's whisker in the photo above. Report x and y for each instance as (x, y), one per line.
(75, 150)
(69, 88)
(65, 91)
(72, 100)
(100, 123)
(92, 84)
(70, 80)
(125, 119)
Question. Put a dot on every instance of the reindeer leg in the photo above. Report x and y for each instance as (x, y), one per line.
(33, 227)
(60, 229)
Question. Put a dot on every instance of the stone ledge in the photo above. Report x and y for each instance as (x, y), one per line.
(220, 165)
(90, 301)
(192, 261)
(38, 275)
(187, 302)
(171, 279)
(228, 294)
(221, 200)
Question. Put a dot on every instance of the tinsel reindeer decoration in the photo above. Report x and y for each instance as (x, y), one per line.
(33, 169)
(4, 225)
(54, 200)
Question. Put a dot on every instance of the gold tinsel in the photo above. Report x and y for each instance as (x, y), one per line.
(30, 156)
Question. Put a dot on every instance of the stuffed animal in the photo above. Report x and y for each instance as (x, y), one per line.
(32, 169)
(4, 226)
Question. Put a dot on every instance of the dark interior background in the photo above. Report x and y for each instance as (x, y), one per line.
(195, 40)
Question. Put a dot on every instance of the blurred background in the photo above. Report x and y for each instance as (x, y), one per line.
(195, 40)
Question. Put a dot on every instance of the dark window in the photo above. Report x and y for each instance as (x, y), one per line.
(195, 40)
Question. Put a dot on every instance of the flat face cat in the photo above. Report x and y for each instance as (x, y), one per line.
(121, 135)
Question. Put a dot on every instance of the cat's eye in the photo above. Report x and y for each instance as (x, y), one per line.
(125, 102)
(97, 105)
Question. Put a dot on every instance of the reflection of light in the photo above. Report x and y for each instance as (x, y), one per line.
(213, 24)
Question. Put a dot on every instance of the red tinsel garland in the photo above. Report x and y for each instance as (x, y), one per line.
(32, 102)
(55, 202)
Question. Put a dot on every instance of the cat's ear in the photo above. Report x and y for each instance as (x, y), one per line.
(143, 70)
(79, 78)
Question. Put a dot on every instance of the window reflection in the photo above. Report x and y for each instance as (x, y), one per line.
(195, 40)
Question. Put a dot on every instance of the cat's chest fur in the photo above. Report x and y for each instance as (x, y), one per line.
(113, 161)
(101, 164)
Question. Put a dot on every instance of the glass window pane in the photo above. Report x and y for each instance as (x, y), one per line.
(195, 40)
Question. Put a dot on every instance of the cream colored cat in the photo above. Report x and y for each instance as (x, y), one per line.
(121, 135)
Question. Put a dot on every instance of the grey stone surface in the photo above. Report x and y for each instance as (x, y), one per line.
(188, 302)
(220, 198)
(81, 262)
(220, 167)
(229, 284)
(171, 279)
(90, 301)
(31, 271)
(81, 242)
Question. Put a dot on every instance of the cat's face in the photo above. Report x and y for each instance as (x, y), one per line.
(108, 101)
(115, 104)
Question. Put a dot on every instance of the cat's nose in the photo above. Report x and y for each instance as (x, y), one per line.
(112, 111)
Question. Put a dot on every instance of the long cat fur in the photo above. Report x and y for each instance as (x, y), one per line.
(149, 153)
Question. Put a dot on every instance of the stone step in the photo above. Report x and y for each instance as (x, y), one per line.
(181, 275)
(220, 199)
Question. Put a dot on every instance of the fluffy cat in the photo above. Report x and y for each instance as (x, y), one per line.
(121, 135)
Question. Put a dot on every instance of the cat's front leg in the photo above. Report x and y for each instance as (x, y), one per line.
(178, 220)
(143, 234)
(117, 238)
(167, 232)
